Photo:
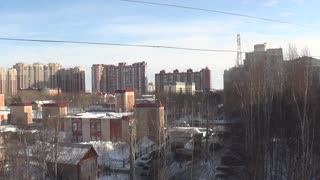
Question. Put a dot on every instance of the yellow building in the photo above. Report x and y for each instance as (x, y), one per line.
(179, 88)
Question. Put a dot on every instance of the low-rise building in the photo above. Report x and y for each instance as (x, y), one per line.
(98, 126)
(150, 121)
(20, 114)
(4, 115)
(75, 161)
(124, 100)
(53, 112)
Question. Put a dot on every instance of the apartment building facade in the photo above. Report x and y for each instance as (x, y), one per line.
(72, 80)
(201, 79)
(96, 77)
(108, 78)
(8, 81)
(98, 126)
(37, 75)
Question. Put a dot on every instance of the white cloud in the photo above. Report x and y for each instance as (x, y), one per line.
(271, 3)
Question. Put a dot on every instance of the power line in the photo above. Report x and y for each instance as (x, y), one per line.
(219, 12)
(116, 44)
(130, 45)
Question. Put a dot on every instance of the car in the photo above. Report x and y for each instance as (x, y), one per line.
(154, 154)
(221, 175)
(231, 161)
(183, 152)
(146, 171)
(140, 164)
(224, 168)
(145, 159)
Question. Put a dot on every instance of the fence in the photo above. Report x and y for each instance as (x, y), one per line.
(149, 149)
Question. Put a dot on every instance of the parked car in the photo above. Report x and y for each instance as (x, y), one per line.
(183, 152)
(143, 161)
(231, 161)
(224, 168)
(146, 171)
(221, 175)
(154, 154)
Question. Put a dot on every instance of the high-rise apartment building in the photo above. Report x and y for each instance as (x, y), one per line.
(37, 75)
(25, 75)
(202, 79)
(3, 80)
(122, 76)
(96, 75)
(8, 81)
(72, 80)
(52, 77)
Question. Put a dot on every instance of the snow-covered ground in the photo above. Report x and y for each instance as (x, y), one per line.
(117, 176)
(145, 143)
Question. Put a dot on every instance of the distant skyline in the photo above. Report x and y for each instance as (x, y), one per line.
(122, 22)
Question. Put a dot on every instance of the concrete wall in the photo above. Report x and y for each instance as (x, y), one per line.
(149, 121)
(124, 101)
(105, 130)
(86, 129)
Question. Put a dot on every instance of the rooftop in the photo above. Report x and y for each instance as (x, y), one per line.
(100, 115)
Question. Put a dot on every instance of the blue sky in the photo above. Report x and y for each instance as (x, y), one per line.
(123, 22)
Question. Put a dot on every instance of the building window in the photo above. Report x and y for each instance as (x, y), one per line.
(74, 126)
(77, 130)
(95, 129)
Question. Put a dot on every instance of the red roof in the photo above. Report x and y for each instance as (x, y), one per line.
(124, 90)
(21, 104)
(55, 105)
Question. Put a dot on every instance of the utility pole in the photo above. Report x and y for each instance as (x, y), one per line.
(207, 124)
(132, 151)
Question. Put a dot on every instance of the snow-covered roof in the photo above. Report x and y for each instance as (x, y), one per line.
(5, 111)
(44, 102)
(70, 154)
(8, 128)
(191, 130)
(100, 115)
(108, 151)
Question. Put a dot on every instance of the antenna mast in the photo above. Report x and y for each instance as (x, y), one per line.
(239, 53)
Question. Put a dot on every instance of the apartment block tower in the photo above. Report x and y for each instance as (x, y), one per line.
(96, 75)
(8, 81)
(108, 78)
(37, 75)
(72, 80)
(202, 79)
